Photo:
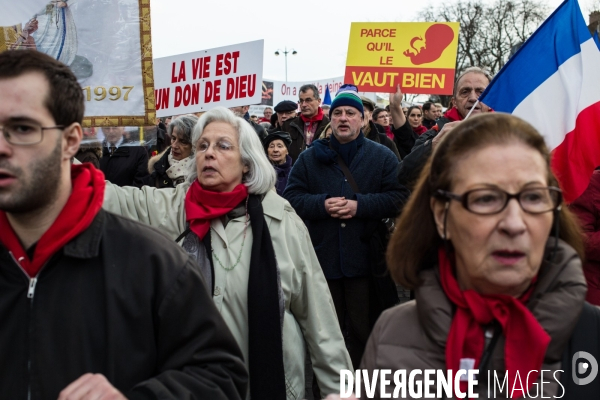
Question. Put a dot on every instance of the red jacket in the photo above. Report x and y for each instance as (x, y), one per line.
(587, 209)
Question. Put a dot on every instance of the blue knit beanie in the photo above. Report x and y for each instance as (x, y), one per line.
(347, 96)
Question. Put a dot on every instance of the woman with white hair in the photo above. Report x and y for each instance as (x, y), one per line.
(255, 253)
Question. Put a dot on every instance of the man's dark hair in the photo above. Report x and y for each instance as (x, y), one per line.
(306, 88)
(65, 98)
(427, 106)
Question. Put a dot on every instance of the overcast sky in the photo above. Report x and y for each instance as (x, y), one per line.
(317, 29)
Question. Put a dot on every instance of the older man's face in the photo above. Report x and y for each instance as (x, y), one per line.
(346, 122)
(267, 113)
(284, 116)
(113, 133)
(309, 103)
(468, 90)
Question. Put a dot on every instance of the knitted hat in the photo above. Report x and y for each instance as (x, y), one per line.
(347, 96)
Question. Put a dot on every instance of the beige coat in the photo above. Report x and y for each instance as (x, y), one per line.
(309, 315)
(413, 335)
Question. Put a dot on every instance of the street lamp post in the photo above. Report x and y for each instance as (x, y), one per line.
(285, 52)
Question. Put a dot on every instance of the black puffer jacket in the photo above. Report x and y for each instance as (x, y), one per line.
(413, 163)
(121, 300)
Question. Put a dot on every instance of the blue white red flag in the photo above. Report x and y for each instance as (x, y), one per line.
(553, 83)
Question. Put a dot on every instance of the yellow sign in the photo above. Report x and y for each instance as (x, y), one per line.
(420, 56)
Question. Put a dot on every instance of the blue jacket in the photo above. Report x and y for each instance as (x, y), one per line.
(316, 176)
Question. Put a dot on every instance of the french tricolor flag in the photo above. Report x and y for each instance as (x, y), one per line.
(553, 82)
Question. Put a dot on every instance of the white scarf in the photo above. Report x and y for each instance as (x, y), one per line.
(178, 170)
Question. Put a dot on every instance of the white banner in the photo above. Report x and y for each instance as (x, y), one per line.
(106, 44)
(226, 76)
(275, 92)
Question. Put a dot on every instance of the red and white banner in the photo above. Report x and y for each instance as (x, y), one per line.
(227, 76)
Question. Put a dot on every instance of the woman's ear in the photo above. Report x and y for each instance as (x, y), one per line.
(245, 169)
(439, 210)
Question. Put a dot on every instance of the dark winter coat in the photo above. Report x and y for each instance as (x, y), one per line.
(282, 171)
(587, 208)
(127, 166)
(413, 336)
(404, 138)
(316, 176)
(377, 134)
(412, 164)
(295, 127)
(428, 123)
(122, 300)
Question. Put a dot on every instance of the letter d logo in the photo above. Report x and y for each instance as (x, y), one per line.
(583, 367)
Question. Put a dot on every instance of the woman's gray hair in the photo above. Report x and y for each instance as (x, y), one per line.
(261, 176)
(186, 124)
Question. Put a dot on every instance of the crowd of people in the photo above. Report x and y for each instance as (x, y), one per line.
(240, 257)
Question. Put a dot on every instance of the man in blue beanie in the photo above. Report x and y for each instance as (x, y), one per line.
(339, 206)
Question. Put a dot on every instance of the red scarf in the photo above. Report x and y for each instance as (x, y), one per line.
(77, 215)
(315, 118)
(201, 206)
(388, 132)
(419, 130)
(526, 341)
(453, 115)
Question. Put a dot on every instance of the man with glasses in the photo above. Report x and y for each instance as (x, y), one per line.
(309, 125)
(267, 113)
(93, 305)
(284, 110)
(467, 89)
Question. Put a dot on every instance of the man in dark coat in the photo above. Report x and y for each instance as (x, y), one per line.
(309, 125)
(373, 131)
(284, 110)
(123, 163)
(93, 305)
(337, 216)
(469, 86)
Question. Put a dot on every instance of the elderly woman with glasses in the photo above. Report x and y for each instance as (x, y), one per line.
(255, 253)
(170, 168)
(494, 258)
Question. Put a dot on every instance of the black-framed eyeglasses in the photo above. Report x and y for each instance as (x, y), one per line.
(25, 133)
(488, 201)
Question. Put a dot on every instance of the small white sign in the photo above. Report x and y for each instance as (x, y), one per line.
(227, 76)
